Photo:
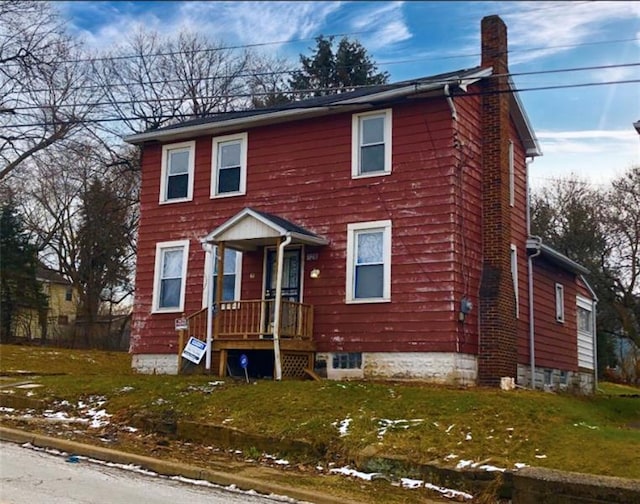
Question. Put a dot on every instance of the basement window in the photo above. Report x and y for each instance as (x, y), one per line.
(347, 360)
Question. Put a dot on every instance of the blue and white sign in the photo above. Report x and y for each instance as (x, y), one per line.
(194, 350)
(244, 361)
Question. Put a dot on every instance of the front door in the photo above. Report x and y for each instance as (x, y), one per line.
(291, 275)
(291, 287)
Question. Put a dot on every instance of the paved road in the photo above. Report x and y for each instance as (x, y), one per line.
(35, 477)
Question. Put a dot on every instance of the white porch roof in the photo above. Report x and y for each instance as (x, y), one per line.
(250, 229)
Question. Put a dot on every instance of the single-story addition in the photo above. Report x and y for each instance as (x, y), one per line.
(376, 233)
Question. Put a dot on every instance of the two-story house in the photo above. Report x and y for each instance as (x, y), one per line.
(377, 233)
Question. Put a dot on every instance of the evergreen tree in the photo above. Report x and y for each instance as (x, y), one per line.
(328, 72)
(19, 288)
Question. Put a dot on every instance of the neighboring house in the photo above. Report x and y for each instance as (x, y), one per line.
(388, 227)
(61, 308)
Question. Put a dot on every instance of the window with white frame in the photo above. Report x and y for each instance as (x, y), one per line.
(170, 276)
(514, 277)
(512, 175)
(559, 302)
(231, 276)
(368, 262)
(585, 320)
(177, 172)
(229, 163)
(371, 143)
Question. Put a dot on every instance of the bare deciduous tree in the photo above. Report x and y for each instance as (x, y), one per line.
(44, 96)
(152, 81)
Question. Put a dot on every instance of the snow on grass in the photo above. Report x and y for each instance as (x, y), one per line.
(343, 426)
(347, 471)
(466, 464)
(386, 424)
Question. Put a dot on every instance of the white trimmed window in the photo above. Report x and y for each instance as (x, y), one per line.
(177, 172)
(170, 276)
(514, 277)
(229, 166)
(371, 144)
(585, 321)
(369, 262)
(560, 303)
(231, 278)
(512, 175)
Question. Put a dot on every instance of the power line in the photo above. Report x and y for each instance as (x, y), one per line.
(302, 106)
(287, 72)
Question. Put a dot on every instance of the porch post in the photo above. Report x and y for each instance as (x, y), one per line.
(278, 307)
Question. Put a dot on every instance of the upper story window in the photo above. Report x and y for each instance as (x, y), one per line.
(170, 276)
(371, 143)
(368, 262)
(514, 277)
(512, 175)
(560, 302)
(229, 160)
(68, 294)
(177, 172)
(585, 319)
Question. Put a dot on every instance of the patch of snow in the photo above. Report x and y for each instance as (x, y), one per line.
(583, 424)
(520, 465)
(449, 428)
(386, 424)
(28, 385)
(468, 437)
(411, 483)
(347, 471)
(448, 492)
(126, 389)
(6, 409)
(343, 426)
(451, 456)
(464, 464)
(129, 429)
(541, 456)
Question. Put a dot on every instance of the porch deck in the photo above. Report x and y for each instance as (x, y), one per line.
(249, 325)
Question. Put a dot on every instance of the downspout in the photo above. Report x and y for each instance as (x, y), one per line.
(456, 145)
(209, 248)
(454, 114)
(532, 331)
(277, 307)
(532, 326)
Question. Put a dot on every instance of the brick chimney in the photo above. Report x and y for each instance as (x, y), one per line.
(497, 355)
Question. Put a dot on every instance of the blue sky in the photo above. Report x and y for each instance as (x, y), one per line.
(586, 131)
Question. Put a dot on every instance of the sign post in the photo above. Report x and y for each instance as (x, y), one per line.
(244, 363)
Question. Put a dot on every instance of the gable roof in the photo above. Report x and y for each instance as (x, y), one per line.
(48, 275)
(251, 228)
(535, 244)
(358, 99)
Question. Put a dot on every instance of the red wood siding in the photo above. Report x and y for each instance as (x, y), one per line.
(555, 342)
(302, 172)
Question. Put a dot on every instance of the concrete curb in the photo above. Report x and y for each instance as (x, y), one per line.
(166, 468)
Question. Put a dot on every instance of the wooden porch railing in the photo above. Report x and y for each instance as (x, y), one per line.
(254, 319)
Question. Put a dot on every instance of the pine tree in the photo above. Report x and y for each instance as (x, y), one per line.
(327, 72)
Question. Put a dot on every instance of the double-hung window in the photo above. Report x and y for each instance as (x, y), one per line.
(177, 172)
(230, 276)
(560, 303)
(170, 276)
(368, 262)
(514, 277)
(371, 143)
(229, 159)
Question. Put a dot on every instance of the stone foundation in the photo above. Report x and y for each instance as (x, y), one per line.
(155, 363)
(554, 380)
(434, 367)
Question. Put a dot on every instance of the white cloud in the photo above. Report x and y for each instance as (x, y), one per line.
(596, 156)
(384, 25)
(551, 25)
